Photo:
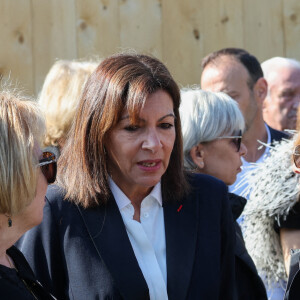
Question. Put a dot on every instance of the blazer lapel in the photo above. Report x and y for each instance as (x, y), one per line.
(108, 233)
(181, 236)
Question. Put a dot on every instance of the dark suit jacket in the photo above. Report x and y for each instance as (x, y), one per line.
(249, 285)
(277, 135)
(293, 285)
(86, 254)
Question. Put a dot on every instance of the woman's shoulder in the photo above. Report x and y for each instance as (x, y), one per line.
(207, 192)
(56, 199)
(55, 192)
(21, 263)
(206, 183)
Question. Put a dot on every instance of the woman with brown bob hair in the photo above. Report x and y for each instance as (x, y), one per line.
(124, 220)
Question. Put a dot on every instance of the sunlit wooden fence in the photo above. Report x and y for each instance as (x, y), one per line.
(35, 33)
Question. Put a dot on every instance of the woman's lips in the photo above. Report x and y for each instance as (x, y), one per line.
(149, 165)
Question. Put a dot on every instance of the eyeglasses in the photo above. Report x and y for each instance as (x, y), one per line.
(48, 166)
(237, 140)
(296, 156)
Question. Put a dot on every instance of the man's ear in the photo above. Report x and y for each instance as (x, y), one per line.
(260, 90)
(197, 154)
(265, 105)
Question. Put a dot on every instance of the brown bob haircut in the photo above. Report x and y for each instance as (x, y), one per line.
(122, 81)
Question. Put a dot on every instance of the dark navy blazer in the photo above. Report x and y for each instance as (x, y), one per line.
(277, 135)
(86, 254)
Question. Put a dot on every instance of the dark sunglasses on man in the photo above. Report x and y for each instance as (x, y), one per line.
(236, 139)
(48, 166)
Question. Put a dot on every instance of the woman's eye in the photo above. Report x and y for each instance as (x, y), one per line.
(166, 125)
(131, 128)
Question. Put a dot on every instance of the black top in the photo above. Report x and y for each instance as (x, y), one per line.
(293, 286)
(291, 221)
(20, 283)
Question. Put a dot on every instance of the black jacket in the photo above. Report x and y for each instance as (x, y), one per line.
(293, 286)
(86, 253)
(249, 285)
(277, 135)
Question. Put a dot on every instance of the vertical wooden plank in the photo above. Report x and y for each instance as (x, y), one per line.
(141, 26)
(291, 10)
(222, 24)
(263, 28)
(16, 43)
(194, 28)
(97, 26)
(183, 39)
(54, 35)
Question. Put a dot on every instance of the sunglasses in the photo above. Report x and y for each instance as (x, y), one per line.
(237, 140)
(48, 166)
(296, 156)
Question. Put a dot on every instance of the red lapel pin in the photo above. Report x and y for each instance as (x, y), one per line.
(179, 208)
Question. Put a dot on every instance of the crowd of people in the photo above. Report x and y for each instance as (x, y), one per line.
(116, 184)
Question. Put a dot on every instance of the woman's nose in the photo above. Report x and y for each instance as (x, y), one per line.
(243, 150)
(151, 141)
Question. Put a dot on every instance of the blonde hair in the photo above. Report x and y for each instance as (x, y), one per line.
(59, 97)
(21, 128)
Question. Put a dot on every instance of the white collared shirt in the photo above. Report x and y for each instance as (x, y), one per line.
(241, 185)
(147, 237)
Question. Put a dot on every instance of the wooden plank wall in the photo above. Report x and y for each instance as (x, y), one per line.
(35, 33)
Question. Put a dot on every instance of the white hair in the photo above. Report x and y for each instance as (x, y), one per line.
(206, 116)
(274, 63)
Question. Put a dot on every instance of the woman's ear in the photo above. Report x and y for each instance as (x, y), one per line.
(197, 155)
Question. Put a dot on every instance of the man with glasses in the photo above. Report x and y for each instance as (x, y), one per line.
(239, 74)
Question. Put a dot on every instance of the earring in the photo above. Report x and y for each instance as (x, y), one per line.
(9, 220)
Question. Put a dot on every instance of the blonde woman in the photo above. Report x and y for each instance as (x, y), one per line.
(59, 97)
(24, 174)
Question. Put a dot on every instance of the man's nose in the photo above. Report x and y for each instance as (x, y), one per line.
(296, 101)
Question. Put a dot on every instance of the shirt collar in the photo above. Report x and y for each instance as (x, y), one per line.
(268, 133)
(122, 200)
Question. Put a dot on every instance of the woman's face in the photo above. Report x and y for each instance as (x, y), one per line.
(33, 214)
(222, 160)
(139, 154)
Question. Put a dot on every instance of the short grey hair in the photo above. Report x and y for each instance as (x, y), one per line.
(268, 66)
(205, 116)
